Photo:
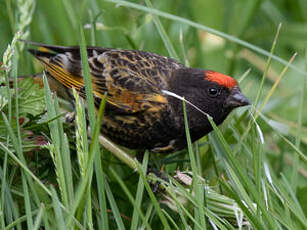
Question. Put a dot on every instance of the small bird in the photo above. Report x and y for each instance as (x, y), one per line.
(139, 113)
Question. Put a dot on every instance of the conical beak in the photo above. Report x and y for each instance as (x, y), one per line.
(236, 98)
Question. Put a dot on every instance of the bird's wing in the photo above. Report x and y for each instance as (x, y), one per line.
(132, 79)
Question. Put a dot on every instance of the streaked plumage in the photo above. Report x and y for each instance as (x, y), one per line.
(138, 114)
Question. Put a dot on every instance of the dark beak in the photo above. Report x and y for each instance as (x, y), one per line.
(236, 98)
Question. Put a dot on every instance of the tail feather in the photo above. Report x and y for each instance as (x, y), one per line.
(57, 64)
(41, 54)
(55, 48)
(62, 63)
(63, 49)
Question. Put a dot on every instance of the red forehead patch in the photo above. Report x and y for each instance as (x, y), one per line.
(221, 79)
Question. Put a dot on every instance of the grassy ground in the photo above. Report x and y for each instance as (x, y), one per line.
(250, 173)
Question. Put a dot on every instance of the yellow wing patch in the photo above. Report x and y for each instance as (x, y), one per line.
(62, 75)
(132, 102)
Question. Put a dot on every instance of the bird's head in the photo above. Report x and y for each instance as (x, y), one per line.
(214, 93)
(225, 89)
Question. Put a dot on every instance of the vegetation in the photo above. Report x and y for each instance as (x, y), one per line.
(249, 173)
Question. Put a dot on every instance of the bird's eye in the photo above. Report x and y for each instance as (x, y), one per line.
(213, 92)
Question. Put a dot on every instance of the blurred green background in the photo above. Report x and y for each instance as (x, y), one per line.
(254, 21)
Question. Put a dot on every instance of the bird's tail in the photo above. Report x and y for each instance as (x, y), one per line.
(50, 48)
(57, 64)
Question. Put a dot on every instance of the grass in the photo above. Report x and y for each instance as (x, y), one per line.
(249, 173)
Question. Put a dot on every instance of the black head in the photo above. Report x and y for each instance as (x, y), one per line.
(214, 93)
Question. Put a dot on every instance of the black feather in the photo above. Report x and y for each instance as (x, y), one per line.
(38, 54)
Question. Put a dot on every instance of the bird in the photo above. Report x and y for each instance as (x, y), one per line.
(139, 113)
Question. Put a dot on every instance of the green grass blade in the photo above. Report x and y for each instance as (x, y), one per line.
(197, 185)
(59, 215)
(294, 176)
(139, 195)
(57, 136)
(4, 191)
(167, 42)
(149, 212)
(299, 152)
(90, 104)
(92, 154)
(10, 14)
(183, 218)
(71, 13)
(65, 160)
(39, 217)
(293, 202)
(153, 198)
(28, 207)
(276, 83)
(268, 63)
(82, 152)
(175, 226)
(87, 80)
(100, 179)
(130, 197)
(114, 207)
